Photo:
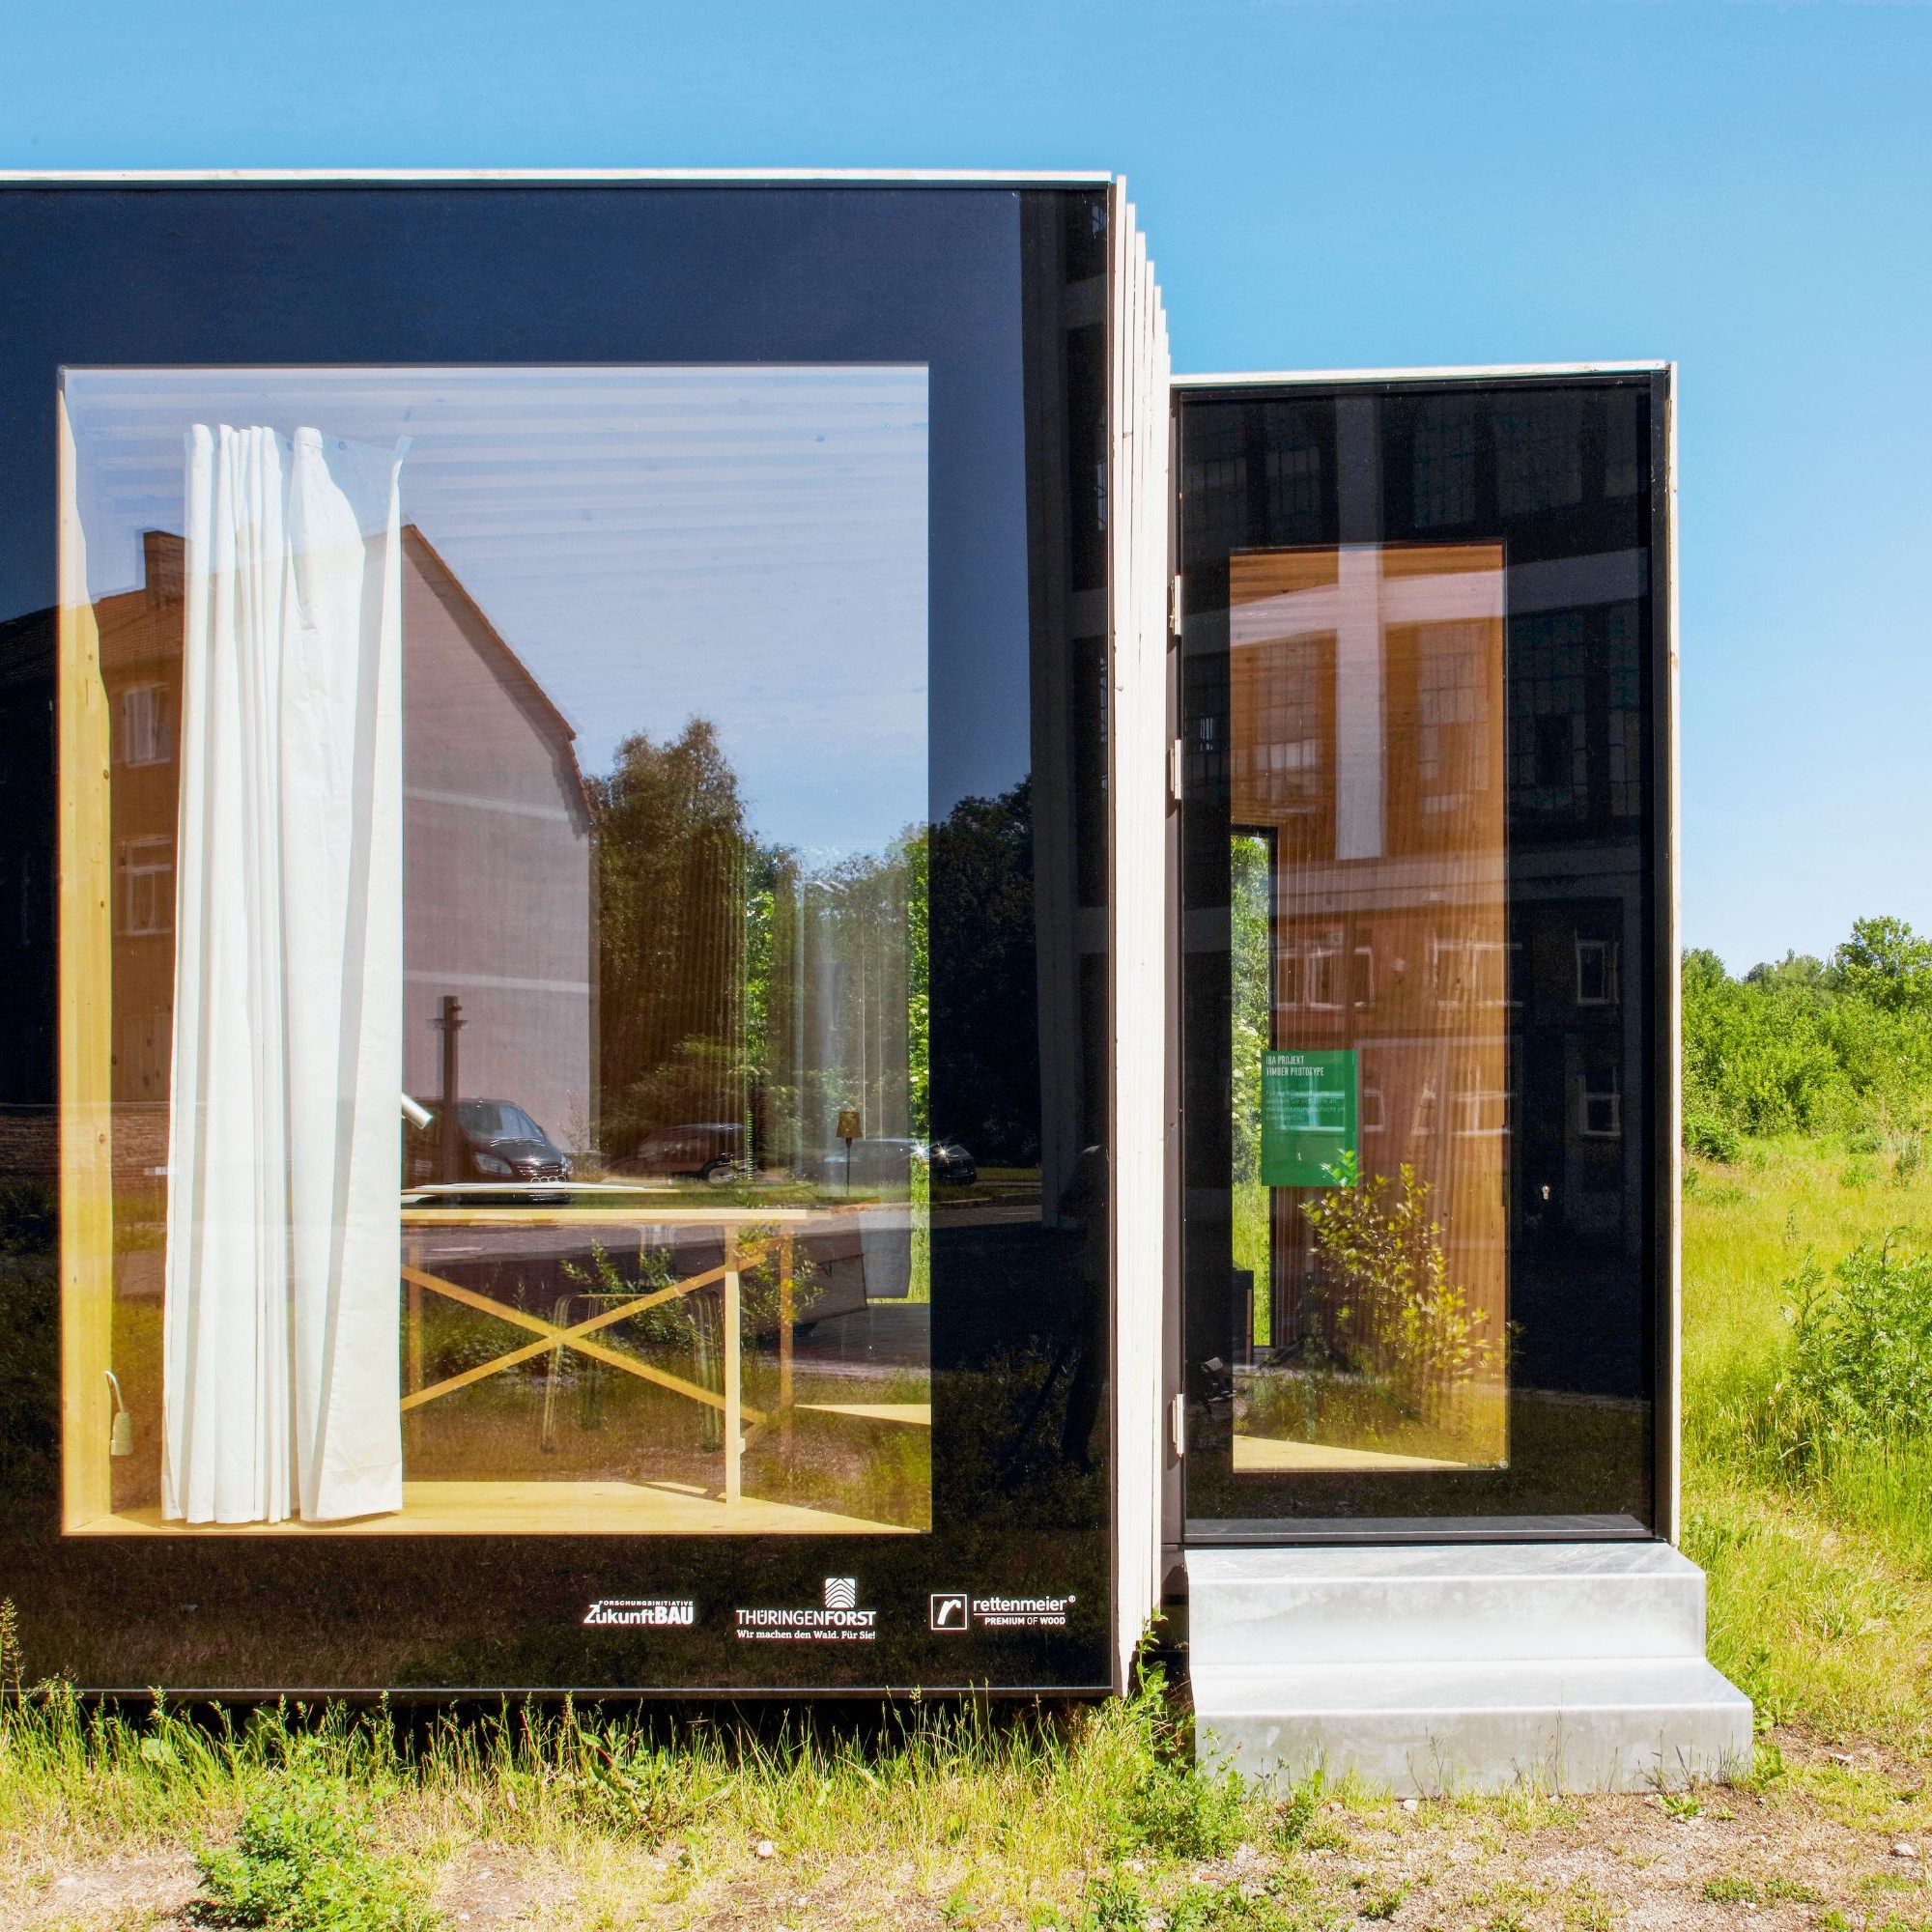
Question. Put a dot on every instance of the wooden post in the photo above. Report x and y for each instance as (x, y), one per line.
(413, 1356)
(784, 1335)
(86, 1023)
(735, 1421)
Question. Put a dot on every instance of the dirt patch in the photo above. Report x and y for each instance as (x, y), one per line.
(1839, 1838)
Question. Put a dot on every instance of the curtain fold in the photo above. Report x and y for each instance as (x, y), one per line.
(280, 1375)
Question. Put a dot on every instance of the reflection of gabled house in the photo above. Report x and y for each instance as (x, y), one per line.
(497, 865)
(497, 879)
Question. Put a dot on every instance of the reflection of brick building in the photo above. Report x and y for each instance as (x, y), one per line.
(496, 840)
(1367, 758)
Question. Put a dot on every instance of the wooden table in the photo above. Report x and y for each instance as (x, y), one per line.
(742, 1229)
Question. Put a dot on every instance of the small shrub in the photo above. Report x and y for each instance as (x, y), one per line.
(1164, 1805)
(1403, 1320)
(305, 1861)
(1861, 1361)
(1712, 1137)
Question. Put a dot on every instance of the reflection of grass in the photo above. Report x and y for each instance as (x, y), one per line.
(1252, 1238)
(1357, 1412)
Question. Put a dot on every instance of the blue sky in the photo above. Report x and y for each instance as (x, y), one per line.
(1746, 189)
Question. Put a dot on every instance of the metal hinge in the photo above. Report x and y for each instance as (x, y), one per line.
(1174, 607)
(1178, 1426)
(1176, 765)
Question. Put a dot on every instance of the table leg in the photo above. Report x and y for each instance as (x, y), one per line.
(784, 1335)
(734, 1422)
(413, 1355)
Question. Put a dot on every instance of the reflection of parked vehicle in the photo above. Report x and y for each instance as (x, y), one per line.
(886, 1161)
(712, 1151)
(951, 1166)
(497, 1141)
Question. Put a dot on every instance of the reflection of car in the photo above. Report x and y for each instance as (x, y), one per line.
(497, 1141)
(951, 1165)
(713, 1151)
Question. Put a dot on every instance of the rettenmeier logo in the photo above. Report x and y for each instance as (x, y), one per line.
(960, 1610)
(949, 1611)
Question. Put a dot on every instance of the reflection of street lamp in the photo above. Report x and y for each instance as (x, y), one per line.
(450, 1024)
(849, 1130)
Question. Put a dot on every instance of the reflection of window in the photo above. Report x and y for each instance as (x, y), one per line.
(1539, 453)
(145, 886)
(1491, 967)
(1481, 1112)
(1599, 1107)
(1548, 758)
(1362, 977)
(1596, 972)
(1625, 728)
(1424, 1123)
(1445, 461)
(1322, 988)
(1294, 485)
(1453, 748)
(1621, 471)
(144, 724)
(1374, 1112)
(1445, 971)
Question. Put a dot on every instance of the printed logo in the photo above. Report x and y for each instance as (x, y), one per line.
(838, 1619)
(1021, 1612)
(677, 1612)
(949, 1611)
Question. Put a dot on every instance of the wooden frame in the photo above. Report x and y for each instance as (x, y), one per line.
(85, 745)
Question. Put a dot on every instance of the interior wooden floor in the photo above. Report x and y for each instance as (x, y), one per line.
(538, 1509)
(1259, 1455)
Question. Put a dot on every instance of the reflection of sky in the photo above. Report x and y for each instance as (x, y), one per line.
(746, 545)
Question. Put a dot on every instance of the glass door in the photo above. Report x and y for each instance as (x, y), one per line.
(1427, 953)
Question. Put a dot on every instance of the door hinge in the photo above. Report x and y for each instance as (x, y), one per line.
(1176, 766)
(1177, 1426)
(1174, 606)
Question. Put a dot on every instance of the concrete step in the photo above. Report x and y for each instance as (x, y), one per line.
(1432, 1728)
(1456, 1603)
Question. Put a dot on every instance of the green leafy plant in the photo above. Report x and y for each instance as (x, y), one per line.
(304, 1860)
(1860, 1366)
(1401, 1318)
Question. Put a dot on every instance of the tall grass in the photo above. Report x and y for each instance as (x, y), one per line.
(1818, 1543)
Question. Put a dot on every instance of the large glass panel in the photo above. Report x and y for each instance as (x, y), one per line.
(1366, 880)
(515, 943)
(1424, 1246)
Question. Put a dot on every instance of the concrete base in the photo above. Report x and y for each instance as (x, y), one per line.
(1570, 1666)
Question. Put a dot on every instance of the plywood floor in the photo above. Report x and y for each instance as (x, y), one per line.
(1259, 1455)
(539, 1509)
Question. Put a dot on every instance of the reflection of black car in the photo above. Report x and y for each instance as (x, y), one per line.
(712, 1151)
(951, 1165)
(496, 1141)
(884, 1161)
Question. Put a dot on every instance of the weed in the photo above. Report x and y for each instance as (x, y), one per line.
(304, 1860)
(1379, 1902)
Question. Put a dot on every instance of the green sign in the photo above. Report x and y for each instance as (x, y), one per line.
(1308, 1117)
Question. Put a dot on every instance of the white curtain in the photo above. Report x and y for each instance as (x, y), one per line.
(280, 1375)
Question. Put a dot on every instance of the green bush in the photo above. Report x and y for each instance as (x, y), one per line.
(1800, 1046)
(1860, 1367)
(304, 1860)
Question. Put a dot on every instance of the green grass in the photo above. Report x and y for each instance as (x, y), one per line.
(1820, 1576)
(1080, 1818)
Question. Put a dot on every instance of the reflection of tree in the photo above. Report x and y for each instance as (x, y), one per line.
(737, 986)
(673, 857)
(985, 1048)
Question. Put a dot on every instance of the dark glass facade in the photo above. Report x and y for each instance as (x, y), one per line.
(1425, 980)
(926, 1001)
